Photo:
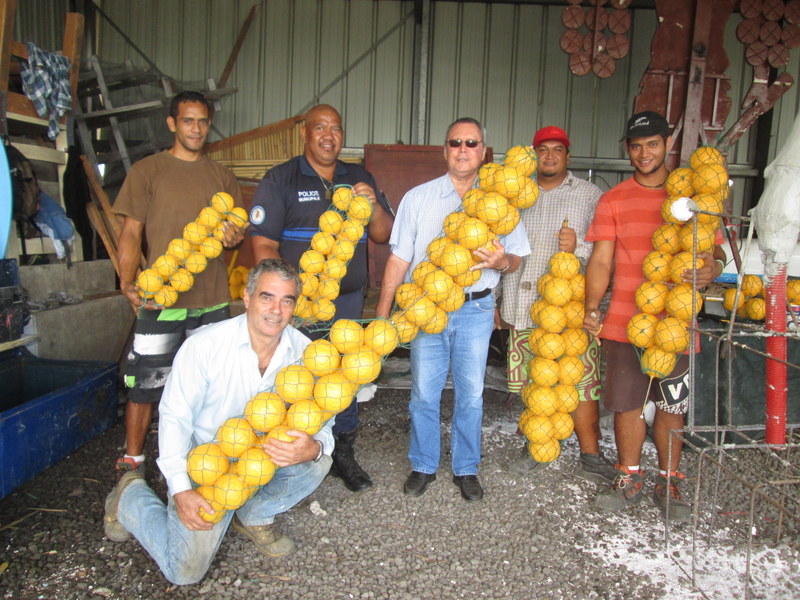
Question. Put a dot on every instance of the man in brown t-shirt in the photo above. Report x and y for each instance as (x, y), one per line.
(160, 196)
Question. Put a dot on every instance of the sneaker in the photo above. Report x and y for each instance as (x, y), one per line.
(126, 464)
(596, 468)
(111, 525)
(625, 490)
(679, 510)
(266, 538)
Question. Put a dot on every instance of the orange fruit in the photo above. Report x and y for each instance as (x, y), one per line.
(362, 366)
(728, 299)
(543, 371)
(279, 433)
(381, 336)
(342, 196)
(679, 302)
(323, 242)
(209, 217)
(222, 202)
(405, 330)
(706, 234)
(567, 396)
(343, 250)
(436, 323)
(207, 492)
(491, 208)
(347, 335)
(667, 239)
(672, 335)
(574, 311)
(467, 279)
(657, 363)
(563, 425)
(550, 345)
(420, 311)
(534, 337)
(254, 467)
(666, 211)
(331, 222)
(570, 370)
(509, 180)
(486, 177)
(651, 296)
(166, 265)
(321, 357)
(505, 225)
(265, 411)
(564, 264)
(211, 247)
(542, 400)
(454, 300)
(710, 178)
(711, 203)
(309, 284)
(206, 463)
(680, 263)
(179, 248)
(323, 309)
(471, 233)
(302, 308)
(235, 436)
(422, 269)
(452, 222)
(437, 286)
(149, 282)
(574, 341)
(334, 392)
(545, 452)
(558, 291)
(536, 428)
(536, 308)
(406, 294)
(578, 285)
(527, 196)
(312, 261)
(679, 182)
(293, 383)
(455, 259)
(195, 263)
(305, 415)
(360, 210)
(238, 216)
(166, 296)
(641, 330)
(230, 491)
(182, 280)
(656, 266)
(706, 155)
(194, 232)
(793, 291)
(523, 158)
(755, 309)
(552, 318)
(752, 285)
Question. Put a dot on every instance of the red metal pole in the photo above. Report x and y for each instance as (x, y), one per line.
(776, 346)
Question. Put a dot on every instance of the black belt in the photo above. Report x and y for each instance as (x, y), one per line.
(477, 295)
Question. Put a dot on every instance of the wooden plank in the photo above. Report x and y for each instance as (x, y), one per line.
(7, 12)
(71, 48)
(100, 199)
(100, 227)
(226, 72)
(246, 136)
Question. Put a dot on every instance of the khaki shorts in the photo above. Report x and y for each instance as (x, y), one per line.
(626, 387)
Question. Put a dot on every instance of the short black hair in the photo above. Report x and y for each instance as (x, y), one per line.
(189, 96)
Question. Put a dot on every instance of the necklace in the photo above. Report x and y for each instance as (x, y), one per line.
(327, 187)
(652, 187)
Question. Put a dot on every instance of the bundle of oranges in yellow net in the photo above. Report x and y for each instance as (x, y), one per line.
(749, 303)
(174, 271)
(487, 212)
(324, 264)
(230, 470)
(237, 281)
(557, 343)
(666, 303)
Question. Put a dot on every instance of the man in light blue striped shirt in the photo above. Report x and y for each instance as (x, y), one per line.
(464, 344)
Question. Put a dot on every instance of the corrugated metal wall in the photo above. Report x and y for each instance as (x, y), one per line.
(498, 62)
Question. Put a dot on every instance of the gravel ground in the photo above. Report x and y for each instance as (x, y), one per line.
(535, 535)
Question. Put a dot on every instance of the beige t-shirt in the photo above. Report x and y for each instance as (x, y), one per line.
(166, 193)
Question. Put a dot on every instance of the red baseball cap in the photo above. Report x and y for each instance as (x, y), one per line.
(545, 134)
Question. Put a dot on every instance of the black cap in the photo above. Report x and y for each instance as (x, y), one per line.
(646, 124)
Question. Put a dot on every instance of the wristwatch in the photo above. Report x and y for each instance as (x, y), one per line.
(321, 453)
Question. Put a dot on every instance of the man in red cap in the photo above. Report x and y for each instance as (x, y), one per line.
(556, 223)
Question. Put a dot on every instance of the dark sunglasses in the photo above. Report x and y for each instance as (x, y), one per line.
(469, 143)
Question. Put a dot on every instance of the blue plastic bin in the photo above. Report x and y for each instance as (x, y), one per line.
(48, 408)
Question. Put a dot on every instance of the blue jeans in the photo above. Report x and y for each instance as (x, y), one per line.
(183, 555)
(463, 347)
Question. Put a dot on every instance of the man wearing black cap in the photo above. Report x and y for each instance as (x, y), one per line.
(556, 223)
(624, 221)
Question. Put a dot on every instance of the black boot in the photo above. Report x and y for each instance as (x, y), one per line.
(345, 466)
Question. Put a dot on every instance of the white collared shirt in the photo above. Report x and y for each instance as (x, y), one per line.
(214, 375)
